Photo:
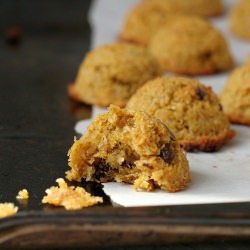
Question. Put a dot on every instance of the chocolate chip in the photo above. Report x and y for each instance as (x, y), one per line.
(220, 107)
(200, 93)
(102, 167)
(205, 56)
(147, 165)
(167, 154)
(127, 164)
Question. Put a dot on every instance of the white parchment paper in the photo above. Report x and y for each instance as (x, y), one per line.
(218, 177)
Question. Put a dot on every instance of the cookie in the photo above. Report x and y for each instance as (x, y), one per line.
(110, 74)
(191, 110)
(192, 46)
(129, 146)
(235, 96)
(202, 8)
(239, 20)
(144, 19)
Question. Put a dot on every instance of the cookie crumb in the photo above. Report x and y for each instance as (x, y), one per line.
(7, 209)
(13, 35)
(70, 197)
(23, 194)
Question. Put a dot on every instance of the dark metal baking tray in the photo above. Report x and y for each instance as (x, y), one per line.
(42, 45)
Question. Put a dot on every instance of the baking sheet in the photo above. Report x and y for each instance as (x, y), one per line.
(36, 132)
(218, 177)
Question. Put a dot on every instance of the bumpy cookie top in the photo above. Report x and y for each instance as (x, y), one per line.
(191, 110)
(190, 45)
(240, 19)
(235, 96)
(144, 19)
(129, 146)
(111, 74)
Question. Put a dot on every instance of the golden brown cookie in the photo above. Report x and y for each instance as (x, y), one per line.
(191, 45)
(235, 96)
(110, 74)
(144, 19)
(190, 110)
(240, 19)
(129, 146)
(202, 8)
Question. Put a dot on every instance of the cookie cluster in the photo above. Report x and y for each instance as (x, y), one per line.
(153, 119)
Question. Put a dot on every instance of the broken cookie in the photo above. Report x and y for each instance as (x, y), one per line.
(129, 146)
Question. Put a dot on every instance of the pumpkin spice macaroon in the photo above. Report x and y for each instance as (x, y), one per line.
(239, 20)
(191, 45)
(191, 110)
(235, 97)
(111, 73)
(203, 8)
(143, 19)
(129, 146)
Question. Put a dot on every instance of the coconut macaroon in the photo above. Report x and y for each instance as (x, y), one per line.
(191, 110)
(110, 74)
(202, 8)
(132, 147)
(191, 45)
(235, 97)
(144, 19)
(239, 20)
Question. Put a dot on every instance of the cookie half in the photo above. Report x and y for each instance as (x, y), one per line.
(129, 146)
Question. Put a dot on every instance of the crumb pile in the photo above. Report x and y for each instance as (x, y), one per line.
(7, 209)
(72, 198)
(23, 194)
